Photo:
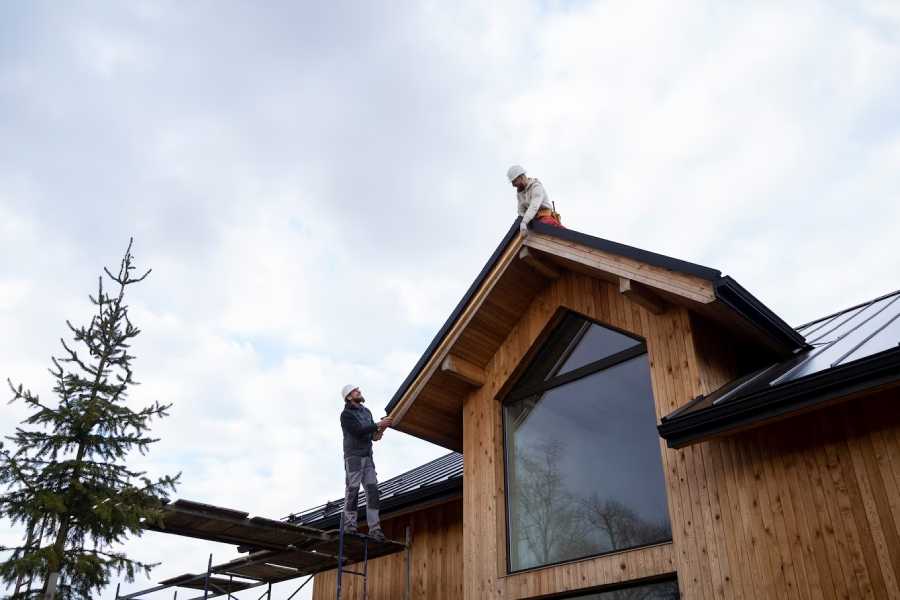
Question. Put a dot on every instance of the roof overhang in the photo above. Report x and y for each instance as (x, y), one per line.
(435, 482)
(428, 403)
(862, 377)
(411, 501)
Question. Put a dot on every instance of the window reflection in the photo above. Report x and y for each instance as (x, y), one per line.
(667, 590)
(595, 343)
(584, 473)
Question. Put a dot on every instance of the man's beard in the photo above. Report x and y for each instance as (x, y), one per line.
(361, 399)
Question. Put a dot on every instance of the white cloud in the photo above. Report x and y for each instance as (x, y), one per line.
(108, 53)
(315, 187)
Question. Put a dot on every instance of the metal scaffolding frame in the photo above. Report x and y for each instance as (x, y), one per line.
(277, 551)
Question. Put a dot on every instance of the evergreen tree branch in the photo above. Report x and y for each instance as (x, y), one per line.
(67, 478)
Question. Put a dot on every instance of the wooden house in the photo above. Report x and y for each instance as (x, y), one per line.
(629, 425)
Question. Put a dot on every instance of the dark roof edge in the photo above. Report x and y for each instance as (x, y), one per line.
(426, 356)
(726, 289)
(846, 310)
(651, 258)
(735, 296)
(444, 490)
(861, 375)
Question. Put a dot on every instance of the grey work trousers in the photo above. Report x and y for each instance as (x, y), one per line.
(360, 470)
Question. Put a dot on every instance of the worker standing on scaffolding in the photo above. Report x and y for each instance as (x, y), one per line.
(532, 202)
(360, 430)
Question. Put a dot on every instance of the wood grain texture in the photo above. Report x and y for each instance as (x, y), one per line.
(519, 275)
(805, 508)
(813, 516)
(464, 370)
(437, 561)
(682, 284)
(483, 496)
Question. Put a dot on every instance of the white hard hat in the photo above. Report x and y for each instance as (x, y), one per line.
(514, 171)
(345, 391)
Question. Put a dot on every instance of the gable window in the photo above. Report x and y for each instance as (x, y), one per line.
(583, 468)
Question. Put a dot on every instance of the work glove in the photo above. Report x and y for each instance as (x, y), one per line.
(523, 228)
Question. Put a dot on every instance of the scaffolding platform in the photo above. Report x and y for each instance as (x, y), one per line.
(276, 551)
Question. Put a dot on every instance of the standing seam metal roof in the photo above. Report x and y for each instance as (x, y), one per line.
(848, 350)
(440, 473)
(843, 339)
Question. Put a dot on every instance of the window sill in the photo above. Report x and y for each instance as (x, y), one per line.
(586, 573)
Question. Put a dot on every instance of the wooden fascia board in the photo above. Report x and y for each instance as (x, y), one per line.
(680, 284)
(446, 344)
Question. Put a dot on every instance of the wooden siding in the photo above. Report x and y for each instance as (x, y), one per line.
(483, 496)
(805, 508)
(431, 406)
(436, 571)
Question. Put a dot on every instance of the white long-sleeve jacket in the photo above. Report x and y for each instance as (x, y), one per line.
(531, 199)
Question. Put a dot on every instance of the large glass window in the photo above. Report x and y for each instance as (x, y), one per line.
(583, 466)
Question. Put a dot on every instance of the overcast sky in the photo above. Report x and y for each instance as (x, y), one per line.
(316, 184)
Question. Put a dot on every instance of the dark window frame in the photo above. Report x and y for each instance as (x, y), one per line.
(589, 369)
(624, 585)
(512, 395)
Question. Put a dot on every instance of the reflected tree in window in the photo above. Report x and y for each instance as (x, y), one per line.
(548, 518)
(620, 526)
(665, 590)
(583, 464)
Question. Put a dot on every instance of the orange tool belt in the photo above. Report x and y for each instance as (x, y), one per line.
(548, 212)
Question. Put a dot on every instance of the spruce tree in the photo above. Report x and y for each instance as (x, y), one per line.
(64, 475)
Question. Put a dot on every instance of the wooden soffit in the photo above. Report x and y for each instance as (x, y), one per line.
(430, 407)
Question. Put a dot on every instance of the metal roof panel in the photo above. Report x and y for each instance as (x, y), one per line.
(839, 342)
(432, 474)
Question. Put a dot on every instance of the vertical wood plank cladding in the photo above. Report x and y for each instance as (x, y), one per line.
(806, 508)
(484, 538)
(815, 508)
(437, 559)
(810, 497)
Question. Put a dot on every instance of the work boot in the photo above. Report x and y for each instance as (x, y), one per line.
(377, 535)
(350, 531)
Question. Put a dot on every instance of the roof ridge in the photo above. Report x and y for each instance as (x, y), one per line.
(726, 290)
(846, 310)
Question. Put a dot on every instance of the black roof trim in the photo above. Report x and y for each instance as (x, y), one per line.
(429, 351)
(734, 295)
(651, 258)
(727, 290)
(866, 373)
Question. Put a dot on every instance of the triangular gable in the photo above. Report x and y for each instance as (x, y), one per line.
(516, 272)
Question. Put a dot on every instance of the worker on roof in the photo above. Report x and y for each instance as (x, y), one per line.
(360, 430)
(532, 202)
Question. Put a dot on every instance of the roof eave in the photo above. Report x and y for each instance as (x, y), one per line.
(796, 396)
(429, 495)
(448, 324)
(737, 298)
(653, 258)
(725, 289)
